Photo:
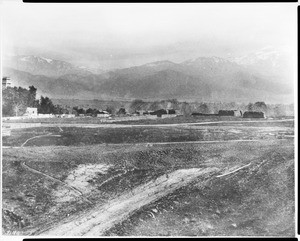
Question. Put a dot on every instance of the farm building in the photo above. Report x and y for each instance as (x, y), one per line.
(160, 112)
(230, 113)
(253, 114)
(67, 115)
(202, 114)
(6, 82)
(238, 113)
(148, 112)
(46, 115)
(226, 113)
(136, 113)
(103, 114)
(32, 112)
(171, 111)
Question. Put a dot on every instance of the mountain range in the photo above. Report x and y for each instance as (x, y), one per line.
(255, 77)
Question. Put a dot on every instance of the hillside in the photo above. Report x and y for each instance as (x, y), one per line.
(201, 79)
(66, 86)
(38, 65)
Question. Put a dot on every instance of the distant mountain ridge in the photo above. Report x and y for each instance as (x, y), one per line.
(38, 65)
(200, 79)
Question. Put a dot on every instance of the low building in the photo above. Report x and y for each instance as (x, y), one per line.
(31, 112)
(168, 116)
(230, 113)
(171, 111)
(226, 113)
(66, 115)
(148, 112)
(253, 114)
(203, 114)
(46, 115)
(103, 114)
(238, 113)
(6, 82)
(159, 113)
(136, 113)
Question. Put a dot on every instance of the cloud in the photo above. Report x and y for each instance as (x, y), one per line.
(127, 32)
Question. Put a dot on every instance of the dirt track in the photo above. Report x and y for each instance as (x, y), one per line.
(113, 125)
(102, 218)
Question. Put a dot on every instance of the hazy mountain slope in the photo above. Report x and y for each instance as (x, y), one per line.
(204, 79)
(137, 72)
(61, 87)
(162, 84)
(37, 65)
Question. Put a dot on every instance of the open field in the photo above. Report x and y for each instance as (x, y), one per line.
(139, 181)
(65, 135)
(173, 120)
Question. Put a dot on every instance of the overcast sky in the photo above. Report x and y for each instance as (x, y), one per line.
(121, 35)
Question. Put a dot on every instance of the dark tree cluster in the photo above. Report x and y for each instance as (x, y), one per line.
(15, 100)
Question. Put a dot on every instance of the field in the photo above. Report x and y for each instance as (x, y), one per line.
(218, 179)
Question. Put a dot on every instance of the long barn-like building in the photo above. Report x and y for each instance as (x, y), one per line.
(230, 113)
(253, 114)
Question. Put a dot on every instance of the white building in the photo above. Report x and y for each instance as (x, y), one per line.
(32, 112)
(103, 114)
(6, 82)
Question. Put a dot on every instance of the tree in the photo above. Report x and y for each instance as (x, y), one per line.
(81, 111)
(19, 109)
(32, 102)
(14, 101)
(74, 110)
(186, 109)
(111, 109)
(260, 106)
(89, 111)
(92, 112)
(136, 105)
(57, 109)
(155, 106)
(203, 108)
(279, 110)
(46, 106)
(250, 107)
(172, 104)
(121, 111)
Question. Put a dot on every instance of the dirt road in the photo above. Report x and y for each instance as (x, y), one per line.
(113, 125)
(101, 218)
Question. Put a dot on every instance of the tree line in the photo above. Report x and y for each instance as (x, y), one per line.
(15, 100)
(187, 108)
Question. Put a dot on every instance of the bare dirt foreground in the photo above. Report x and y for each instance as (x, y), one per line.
(219, 180)
(100, 219)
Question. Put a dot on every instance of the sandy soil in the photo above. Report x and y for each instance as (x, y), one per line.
(101, 218)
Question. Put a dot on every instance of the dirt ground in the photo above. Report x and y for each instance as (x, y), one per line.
(233, 187)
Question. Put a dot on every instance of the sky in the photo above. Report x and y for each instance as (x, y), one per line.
(112, 36)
